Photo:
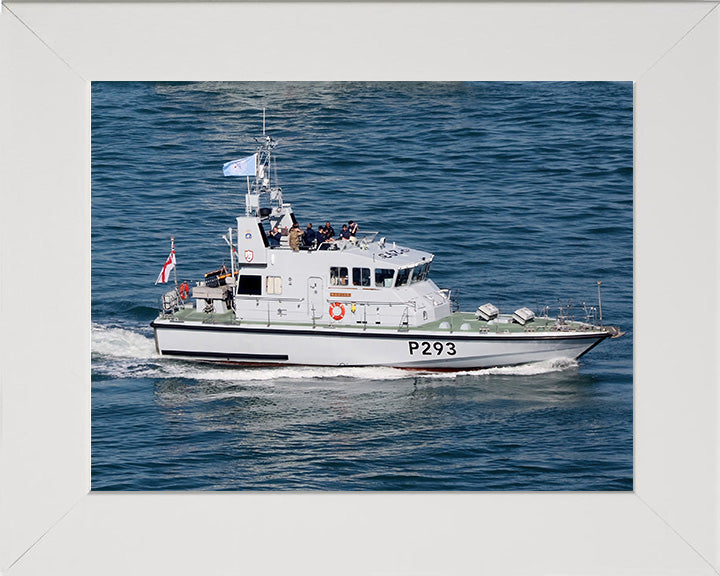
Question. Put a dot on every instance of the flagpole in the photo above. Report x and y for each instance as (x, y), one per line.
(172, 249)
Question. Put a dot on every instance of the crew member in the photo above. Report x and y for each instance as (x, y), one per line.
(294, 237)
(274, 237)
(309, 236)
(329, 231)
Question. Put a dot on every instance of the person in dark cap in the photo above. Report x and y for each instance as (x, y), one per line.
(274, 237)
(309, 236)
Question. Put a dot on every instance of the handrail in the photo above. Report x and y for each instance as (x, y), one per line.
(404, 321)
(345, 299)
(368, 237)
(364, 237)
(268, 298)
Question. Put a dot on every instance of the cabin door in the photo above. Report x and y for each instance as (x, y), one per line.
(316, 297)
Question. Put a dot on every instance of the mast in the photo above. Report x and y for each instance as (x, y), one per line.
(262, 184)
(260, 170)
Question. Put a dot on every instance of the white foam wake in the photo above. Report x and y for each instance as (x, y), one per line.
(121, 343)
(544, 367)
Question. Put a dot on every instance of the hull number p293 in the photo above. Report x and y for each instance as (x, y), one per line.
(431, 348)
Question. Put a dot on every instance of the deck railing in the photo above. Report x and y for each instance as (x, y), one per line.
(338, 244)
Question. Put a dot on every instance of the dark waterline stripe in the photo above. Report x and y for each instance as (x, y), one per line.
(228, 355)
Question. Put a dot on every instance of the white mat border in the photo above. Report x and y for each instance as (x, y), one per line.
(52, 50)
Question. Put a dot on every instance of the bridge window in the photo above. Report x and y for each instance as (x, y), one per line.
(403, 276)
(361, 276)
(420, 272)
(384, 277)
(338, 276)
(250, 284)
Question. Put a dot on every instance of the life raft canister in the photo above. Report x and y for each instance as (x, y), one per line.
(337, 311)
(184, 291)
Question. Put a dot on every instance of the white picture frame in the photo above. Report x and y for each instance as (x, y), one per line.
(49, 520)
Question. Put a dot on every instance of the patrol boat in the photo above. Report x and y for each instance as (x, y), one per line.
(361, 301)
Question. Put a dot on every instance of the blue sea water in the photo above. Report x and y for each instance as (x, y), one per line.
(523, 191)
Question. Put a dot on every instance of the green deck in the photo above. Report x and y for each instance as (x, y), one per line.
(457, 320)
(454, 322)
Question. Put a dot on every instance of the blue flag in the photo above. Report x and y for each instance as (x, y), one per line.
(241, 167)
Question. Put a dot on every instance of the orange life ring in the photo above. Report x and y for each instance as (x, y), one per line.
(184, 291)
(334, 314)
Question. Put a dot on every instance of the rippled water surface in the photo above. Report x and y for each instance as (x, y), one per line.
(523, 191)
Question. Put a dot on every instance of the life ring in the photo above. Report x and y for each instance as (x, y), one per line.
(184, 291)
(334, 313)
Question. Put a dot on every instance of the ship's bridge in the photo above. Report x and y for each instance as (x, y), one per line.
(399, 265)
